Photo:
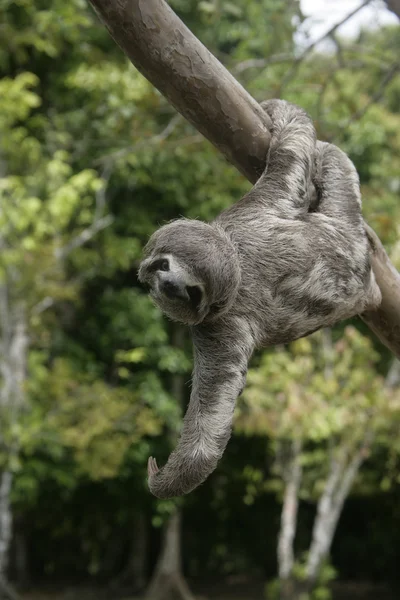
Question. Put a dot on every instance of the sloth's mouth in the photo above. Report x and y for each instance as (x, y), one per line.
(147, 286)
(195, 295)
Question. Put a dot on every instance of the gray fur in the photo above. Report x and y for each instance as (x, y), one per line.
(271, 268)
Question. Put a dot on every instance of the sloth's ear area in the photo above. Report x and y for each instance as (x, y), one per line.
(143, 269)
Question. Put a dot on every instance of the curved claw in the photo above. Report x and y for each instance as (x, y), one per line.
(152, 467)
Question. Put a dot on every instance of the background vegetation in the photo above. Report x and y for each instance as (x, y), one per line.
(94, 379)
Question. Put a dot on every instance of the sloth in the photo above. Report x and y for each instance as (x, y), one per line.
(275, 266)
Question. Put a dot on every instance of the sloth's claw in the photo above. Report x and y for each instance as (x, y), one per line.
(152, 467)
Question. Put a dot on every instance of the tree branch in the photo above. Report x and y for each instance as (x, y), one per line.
(385, 322)
(84, 236)
(203, 91)
(99, 223)
(165, 51)
(261, 63)
(393, 376)
(394, 6)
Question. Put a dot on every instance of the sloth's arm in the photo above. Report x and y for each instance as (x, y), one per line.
(286, 184)
(221, 354)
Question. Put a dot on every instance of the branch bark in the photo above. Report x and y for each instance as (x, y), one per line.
(385, 322)
(167, 53)
(337, 488)
(394, 6)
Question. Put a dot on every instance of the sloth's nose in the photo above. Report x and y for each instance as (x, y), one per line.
(173, 290)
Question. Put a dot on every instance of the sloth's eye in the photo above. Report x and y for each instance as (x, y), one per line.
(161, 264)
(195, 294)
(164, 265)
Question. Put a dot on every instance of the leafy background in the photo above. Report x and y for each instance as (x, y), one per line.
(94, 379)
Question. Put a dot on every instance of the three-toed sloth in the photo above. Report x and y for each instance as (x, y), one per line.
(269, 269)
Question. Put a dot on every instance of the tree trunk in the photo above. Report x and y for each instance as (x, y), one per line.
(133, 577)
(5, 520)
(6, 590)
(168, 582)
(337, 489)
(292, 477)
(13, 358)
(330, 506)
(21, 555)
(291, 589)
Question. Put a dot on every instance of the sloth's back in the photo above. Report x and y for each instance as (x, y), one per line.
(298, 276)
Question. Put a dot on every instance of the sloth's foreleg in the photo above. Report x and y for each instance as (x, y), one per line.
(221, 356)
(286, 184)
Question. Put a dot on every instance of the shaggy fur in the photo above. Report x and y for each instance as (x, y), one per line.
(271, 268)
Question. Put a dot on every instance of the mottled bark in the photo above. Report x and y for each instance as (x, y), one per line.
(168, 582)
(13, 355)
(292, 474)
(385, 321)
(167, 53)
(337, 487)
(203, 91)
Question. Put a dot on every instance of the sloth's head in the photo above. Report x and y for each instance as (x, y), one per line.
(192, 271)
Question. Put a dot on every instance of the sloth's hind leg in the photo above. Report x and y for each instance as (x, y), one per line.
(337, 182)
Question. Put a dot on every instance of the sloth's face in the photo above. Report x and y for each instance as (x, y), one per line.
(174, 288)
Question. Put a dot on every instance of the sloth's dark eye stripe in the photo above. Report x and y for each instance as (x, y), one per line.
(161, 264)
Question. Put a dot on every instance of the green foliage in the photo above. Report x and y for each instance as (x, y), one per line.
(321, 590)
(327, 396)
(97, 421)
(312, 392)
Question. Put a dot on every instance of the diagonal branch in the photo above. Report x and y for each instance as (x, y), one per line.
(385, 322)
(84, 236)
(394, 6)
(100, 221)
(203, 91)
(167, 53)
